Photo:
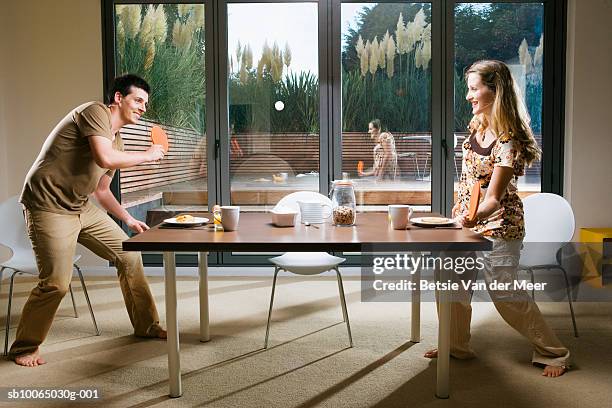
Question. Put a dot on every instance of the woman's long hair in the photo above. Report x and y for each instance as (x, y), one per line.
(509, 116)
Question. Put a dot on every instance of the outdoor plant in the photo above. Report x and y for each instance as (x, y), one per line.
(165, 45)
(386, 67)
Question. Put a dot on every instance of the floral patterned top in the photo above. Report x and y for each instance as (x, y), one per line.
(390, 170)
(477, 167)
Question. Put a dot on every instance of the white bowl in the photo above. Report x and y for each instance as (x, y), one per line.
(284, 219)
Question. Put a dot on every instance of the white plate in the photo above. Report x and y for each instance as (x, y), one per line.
(196, 221)
(432, 221)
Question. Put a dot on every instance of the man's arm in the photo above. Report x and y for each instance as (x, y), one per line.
(107, 157)
(108, 201)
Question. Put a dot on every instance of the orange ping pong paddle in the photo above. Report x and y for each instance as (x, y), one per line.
(474, 201)
(159, 137)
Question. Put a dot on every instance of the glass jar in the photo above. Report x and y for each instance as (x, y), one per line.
(344, 206)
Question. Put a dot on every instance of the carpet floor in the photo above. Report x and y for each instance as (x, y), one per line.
(308, 363)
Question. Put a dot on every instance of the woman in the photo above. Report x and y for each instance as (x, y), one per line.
(495, 155)
(385, 155)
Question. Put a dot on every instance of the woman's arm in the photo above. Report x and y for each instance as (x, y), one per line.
(367, 172)
(497, 188)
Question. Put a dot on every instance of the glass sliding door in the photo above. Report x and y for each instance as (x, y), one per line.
(386, 75)
(165, 44)
(272, 101)
(512, 33)
(261, 98)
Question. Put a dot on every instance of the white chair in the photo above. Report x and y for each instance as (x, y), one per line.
(307, 263)
(23, 260)
(413, 156)
(549, 219)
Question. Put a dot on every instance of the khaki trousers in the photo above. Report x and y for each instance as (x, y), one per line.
(54, 238)
(516, 307)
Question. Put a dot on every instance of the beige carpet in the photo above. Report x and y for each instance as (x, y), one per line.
(309, 363)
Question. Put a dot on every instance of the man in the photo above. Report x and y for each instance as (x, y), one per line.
(77, 160)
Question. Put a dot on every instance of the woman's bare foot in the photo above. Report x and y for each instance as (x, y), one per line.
(30, 360)
(554, 371)
(431, 353)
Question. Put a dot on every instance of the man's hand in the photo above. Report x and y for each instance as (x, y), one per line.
(136, 225)
(156, 152)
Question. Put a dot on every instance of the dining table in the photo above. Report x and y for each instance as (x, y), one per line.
(256, 233)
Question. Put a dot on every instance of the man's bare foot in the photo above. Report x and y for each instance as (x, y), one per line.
(431, 353)
(30, 360)
(554, 371)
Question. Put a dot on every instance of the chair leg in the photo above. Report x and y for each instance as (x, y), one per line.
(343, 304)
(530, 272)
(8, 313)
(93, 318)
(1, 273)
(569, 299)
(276, 270)
(475, 279)
(416, 162)
(76, 314)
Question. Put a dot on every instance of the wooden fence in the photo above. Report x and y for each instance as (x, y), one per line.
(183, 162)
(263, 154)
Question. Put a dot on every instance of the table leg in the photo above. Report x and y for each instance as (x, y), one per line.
(203, 272)
(442, 381)
(174, 358)
(415, 328)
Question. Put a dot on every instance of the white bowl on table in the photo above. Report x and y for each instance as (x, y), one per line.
(284, 217)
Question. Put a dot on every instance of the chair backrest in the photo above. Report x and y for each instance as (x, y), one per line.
(548, 219)
(13, 234)
(290, 200)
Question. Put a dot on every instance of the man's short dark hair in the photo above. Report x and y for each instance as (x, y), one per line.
(123, 83)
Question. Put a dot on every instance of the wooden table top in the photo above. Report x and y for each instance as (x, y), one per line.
(256, 232)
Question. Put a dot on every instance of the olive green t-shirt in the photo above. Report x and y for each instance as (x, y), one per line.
(65, 172)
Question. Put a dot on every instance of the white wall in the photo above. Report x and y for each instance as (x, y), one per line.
(3, 98)
(588, 170)
(52, 58)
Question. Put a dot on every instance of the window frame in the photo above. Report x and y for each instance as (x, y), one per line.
(329, 31)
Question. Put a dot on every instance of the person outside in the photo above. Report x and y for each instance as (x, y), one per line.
(78, 160)
(501, 144)
(385, 155)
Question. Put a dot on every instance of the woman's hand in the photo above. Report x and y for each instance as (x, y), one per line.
(455, 210)
(496, 215)
(466, 222)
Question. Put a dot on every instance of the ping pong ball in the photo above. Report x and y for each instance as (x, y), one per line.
(279, 105)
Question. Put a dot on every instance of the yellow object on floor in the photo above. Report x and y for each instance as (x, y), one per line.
(593, 256)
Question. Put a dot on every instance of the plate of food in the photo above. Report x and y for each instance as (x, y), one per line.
(186, 220)
(432, 221)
